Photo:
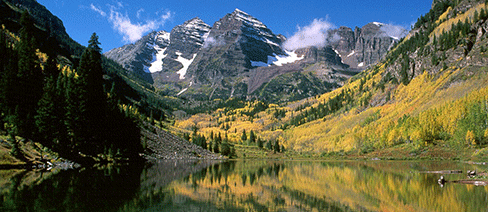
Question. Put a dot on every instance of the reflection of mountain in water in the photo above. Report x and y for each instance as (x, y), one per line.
(162, 172)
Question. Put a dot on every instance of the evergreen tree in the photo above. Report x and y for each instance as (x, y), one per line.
(252, 137)
(269, 145)
(404, 70)
(93, 97)
(244, 136)
(225, 147)
(47, 120)
(74, 108)
(276, 146)
(8, 76)
(216, 146)
(260, 143)
(29, 85)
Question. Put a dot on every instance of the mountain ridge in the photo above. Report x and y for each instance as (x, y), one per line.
(239, 46)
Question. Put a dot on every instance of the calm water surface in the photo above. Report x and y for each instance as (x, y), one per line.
(252, 185)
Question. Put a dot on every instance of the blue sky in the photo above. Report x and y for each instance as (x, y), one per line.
(119, 22)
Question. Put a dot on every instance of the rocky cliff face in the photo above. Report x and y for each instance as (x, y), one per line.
(236, 41)
(363, 46)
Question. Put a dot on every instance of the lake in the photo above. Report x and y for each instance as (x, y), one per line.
(245, 185)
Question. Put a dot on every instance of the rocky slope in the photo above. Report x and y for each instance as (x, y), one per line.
(164, 145)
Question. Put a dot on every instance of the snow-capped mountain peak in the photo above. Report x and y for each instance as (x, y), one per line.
(248, 19)
(196, 24)
(378, 24)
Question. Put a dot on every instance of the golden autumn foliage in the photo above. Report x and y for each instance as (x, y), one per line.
(470, 139)
(446, 24)
(426, 111)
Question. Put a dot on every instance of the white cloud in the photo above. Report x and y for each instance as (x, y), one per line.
(335, 38)
(130, 31)
(394, 31)
(98, 10)
(314, 34)
(212, 42)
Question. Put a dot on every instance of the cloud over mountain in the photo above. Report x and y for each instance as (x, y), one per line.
(122, 23)
(394, 31)
(314, 34)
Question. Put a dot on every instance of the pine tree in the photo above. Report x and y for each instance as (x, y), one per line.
(93, 96)
(252, 137)
(29, 78)
(225, 147)
(244, 136)
(74, 107)
(260, 143)
(8, 76)
(269, 145)
(404, 70)
(47, 120)
(276, 146)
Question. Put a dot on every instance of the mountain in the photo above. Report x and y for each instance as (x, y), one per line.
(239, 56)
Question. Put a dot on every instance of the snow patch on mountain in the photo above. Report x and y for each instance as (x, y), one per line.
(378, 24)
(157, 62)
(185, 62)
(351, 54)
(278, 60)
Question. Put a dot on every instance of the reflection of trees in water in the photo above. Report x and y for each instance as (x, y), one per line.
(306, 186)
(307, 202)
(92, 189)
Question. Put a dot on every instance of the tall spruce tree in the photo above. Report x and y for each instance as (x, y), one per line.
(90, 73)
(29, 78)
(244, 136)
(252, 137)
(74, 107)
(47, 119)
